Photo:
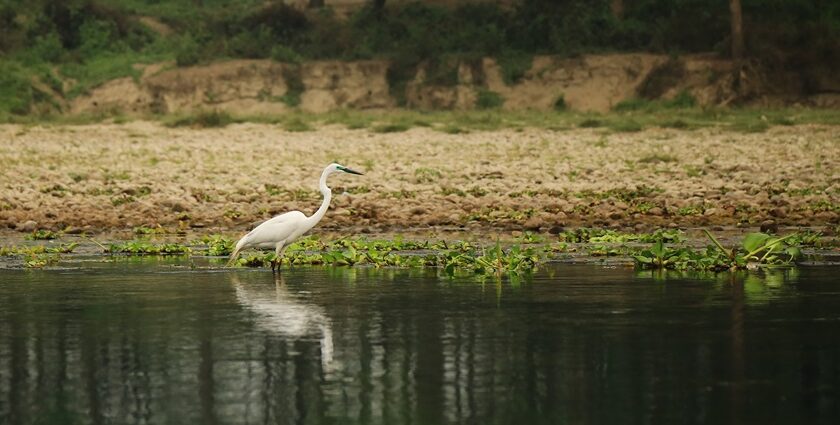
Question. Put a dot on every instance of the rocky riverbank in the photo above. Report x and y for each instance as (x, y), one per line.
(104, 177)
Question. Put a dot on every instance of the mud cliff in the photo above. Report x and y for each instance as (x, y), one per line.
(586, 83)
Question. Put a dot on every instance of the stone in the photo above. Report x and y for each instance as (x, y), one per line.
(533, 223)
(769, 226)
(779, 212)
(555, 230)
(28, 226)
(175, 205)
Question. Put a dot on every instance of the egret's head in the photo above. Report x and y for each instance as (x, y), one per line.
(339, 167)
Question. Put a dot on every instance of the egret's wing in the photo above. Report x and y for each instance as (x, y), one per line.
(282, 218)
(276, 229)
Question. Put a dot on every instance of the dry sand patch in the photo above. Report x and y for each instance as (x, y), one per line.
(106, 177)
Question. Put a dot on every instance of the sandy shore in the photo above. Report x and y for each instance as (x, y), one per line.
(107, 177)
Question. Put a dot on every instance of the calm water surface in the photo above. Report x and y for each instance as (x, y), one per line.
(129, 343)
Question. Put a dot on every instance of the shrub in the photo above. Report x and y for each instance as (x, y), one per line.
(682, 100)
(47, 48)
(96, 36)
(15, 89)
(187, 52)
(391, 128)
(251, 44)
(280, 20)
(281, 53)
(203, 119)
(560, 103)
(488, 99)
(514, 64)
(626, 126)
(294, 83)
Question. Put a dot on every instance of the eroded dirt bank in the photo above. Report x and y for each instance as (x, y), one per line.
(586, 83)
(106, 177)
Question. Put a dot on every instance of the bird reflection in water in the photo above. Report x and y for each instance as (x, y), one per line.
(279, 313)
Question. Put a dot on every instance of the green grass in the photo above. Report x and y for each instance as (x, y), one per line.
(625, 126)
(391, 128)
(101, 69)
(201, 119)
(456, 122)
(749, 126)
(297, 125)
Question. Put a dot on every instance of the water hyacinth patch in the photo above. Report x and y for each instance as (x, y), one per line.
(756, 250)
(460, 257)
(147, 248)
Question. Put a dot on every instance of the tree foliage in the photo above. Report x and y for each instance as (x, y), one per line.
(78, 33)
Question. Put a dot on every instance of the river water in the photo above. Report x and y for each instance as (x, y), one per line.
(150, 342)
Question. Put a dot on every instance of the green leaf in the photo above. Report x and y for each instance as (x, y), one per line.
(794, 252)
(658, 249)
(642, 259)
(754, 241)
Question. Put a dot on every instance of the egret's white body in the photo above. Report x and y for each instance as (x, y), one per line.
(282, 230)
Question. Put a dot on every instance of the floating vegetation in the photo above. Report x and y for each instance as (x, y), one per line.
(38, 256)
(459, 257)
(38, 235)
(530, 238)
(143, 230)
(588, 235)
(147, 248)
(659, 250)
(218, 245)
(756, 250)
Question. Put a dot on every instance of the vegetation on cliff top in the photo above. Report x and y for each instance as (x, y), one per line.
(70, 46)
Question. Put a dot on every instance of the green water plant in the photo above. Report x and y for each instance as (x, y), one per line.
(37, 261)
(450, 257)
(755, 250)
(141, 247)
(514, 261)
(218, 245)
(38, 256)
(590, 235)
(144, 230)
(42, 234)
(759, 249)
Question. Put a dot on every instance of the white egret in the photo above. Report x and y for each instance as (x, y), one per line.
(282, 230)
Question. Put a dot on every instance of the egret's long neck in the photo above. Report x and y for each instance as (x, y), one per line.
(315, 218)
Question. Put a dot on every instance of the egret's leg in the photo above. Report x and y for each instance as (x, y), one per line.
(278, 252)
(283, 254)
